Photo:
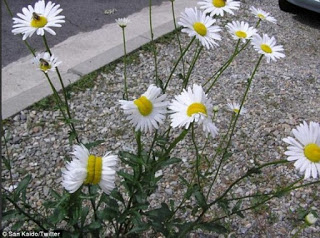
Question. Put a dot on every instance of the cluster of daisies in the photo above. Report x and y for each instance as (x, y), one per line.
(200, 23)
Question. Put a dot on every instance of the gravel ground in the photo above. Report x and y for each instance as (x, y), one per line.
(283, 94)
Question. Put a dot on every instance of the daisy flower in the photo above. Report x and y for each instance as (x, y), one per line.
(235, 107)
(192, 105)
(38, 19)
(122, 22)
(240, 30)
(89, 169)
(197, 24)
(262, 15)
(305, 149)
(46, 62)
(148, 111)
(218, 7)
(310, 219)
(267, 46)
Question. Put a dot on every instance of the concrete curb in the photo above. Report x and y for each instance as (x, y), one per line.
(84, 53)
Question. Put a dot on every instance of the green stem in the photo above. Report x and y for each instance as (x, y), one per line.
(178, 37)
(152, 144)
(125, 64)
(197, 154)
(217, 75)
(154, 48)
(178, 61)
(176, 141)
(194, 60)
(26, 214)
(65, 95)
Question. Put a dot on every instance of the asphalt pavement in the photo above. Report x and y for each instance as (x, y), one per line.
(81, 16)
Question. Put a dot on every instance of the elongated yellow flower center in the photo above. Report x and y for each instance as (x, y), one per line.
(200, 28)
(144, 105)
(312, 152)
(241, 34)
(261, 16)
(266, 48)
(38, 21)
(219, 3)
(94, 169)
(196, 108)
(236, 110)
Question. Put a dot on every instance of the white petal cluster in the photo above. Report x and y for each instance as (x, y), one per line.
(46, 62)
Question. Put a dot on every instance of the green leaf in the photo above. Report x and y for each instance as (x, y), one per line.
(117, 195)
(84, 214)
(93, 144)
(6, 163)
(213, 227)
(169, 162)
(22, 186)
(130, 158)
(126, 176)
(236, 208)
(224, 205)
(58, 215)
(8, 215)
(159, 214)
(200, 199)
(55, 194)
(94, 225)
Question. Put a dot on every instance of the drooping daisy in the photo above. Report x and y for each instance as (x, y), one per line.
(235, 107)
(305, 149)
(123, 22)
(148, 111)
(218, 7)
(38, 19)
(192, 105)
(241, 30)
(197, 24)
(89, 169)
(264, 16)
(46, 62)
(267, 46)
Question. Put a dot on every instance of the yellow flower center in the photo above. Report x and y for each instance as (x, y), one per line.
(312, 152)
(38, 21)
(266, 48)
(44, 65)
(94, 170)
(144, 105)
(200, 28)
(196, 108)
(241, 34)
(261, 16)
(219, 3)
(236, 110)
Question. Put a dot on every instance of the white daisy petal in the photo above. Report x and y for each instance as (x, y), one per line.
(88, 169)
(218, 7)
(38, 19)
(235, 107)
(307, 154)
(190, 106)
(45, 62)
(148, 111)
(123, 22)
(262, 15)
(197, 24)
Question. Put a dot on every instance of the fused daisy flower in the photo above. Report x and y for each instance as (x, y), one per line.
(192, 105)
(218, 7)
(89, 169)
(262, 15)
(235, 107)
(148, 111)
(123, 22)
(46, 62)
(305, 149)
(267, 46)
(42, 17)
(197, 24)
(241, 30)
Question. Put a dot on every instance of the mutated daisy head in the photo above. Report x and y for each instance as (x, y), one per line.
(89, 169)
(305, 149)
(148, 111)
(262, 15)
(46, 62)
(123, 22)
(218, 7)
(38, 19)
(192, 105)
(235, 108)
(267, 46)
(197, 24)
(241, 30)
